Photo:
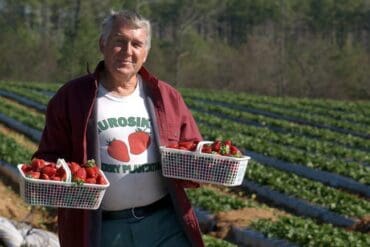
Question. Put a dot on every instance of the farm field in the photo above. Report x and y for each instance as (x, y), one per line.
(308, 183)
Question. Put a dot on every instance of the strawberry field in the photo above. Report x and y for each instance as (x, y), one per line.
(309, 171)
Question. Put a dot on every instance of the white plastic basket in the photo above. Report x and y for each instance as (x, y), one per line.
(61, 194)
(203, 167)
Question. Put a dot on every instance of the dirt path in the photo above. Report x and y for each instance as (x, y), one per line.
(13, 207)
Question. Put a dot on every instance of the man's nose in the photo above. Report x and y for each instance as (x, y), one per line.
(127, 48)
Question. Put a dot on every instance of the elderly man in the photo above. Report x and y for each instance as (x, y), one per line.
(120, 115)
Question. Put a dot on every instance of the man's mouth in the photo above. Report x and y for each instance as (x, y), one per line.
(125, 62)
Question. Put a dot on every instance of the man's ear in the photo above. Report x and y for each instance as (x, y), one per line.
(101, 44)
(146, 56)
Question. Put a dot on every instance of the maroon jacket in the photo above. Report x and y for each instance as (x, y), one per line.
(71, 133)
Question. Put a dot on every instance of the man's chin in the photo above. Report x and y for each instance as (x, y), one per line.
(125, 72)
(125, 69)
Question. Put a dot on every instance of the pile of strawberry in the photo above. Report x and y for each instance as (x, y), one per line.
(85, 173)
(224, 148)
(39, 169)
(217, 147)
(184, 145)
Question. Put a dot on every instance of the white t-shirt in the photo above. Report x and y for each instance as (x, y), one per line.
(128, 151)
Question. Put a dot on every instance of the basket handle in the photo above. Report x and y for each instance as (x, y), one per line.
(61, 162)
(200, 145)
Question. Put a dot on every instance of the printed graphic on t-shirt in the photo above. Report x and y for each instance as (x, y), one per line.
(117, 149)
(138, 142)
(125, 144)
(109, 123)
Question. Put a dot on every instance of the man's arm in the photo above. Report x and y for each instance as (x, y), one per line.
(189, 132)
(55, 139)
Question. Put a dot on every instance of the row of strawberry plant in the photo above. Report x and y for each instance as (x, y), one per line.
(35, 96)
(12, 152)
(294, 185)
(251, 139)
(22, 114)
(315, 192)
(307, 106)
(309, 144)
(283, 125)
(214, 201)
(50, 87)
(306, 232)
(210, 241)
(290, 226)
(350, 127)
(340, 110)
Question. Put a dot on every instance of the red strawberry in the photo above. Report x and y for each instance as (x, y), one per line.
(118, 150)
(228, 143)
(37, 164)
(80, 175)
(207, 149)
(73, 166)
(61, 173)
(188, 145)
(33, 174)
(90, 180)
(100, 179)
(44, 176)
(91, 169)
(173, 145)
(216, 146)
(26, 168)
(139, 141)
(56, 178)
(49, 170)
(234, 151)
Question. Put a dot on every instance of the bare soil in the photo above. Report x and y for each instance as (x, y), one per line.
(13, 207)
(242, 217)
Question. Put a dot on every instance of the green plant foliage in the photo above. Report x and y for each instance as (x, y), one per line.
(210, 241)
(308, 233)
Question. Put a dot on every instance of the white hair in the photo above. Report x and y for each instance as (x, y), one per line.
(128, 17)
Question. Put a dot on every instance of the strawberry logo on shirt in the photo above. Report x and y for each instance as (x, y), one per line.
(117, 149)
(139, 141)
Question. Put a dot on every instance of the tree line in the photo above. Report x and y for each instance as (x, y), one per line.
(307, 48)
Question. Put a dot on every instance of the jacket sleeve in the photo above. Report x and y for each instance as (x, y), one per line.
(189, 128)
(189, 131)
(55, 139)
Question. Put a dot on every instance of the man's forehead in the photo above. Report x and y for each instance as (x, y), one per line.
(122, 28)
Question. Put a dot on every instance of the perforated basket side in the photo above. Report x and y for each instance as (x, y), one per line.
(61, 194)
(201, 167)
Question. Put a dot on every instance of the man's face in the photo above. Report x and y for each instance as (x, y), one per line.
(125, 50)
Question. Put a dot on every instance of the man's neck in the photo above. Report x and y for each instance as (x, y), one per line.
(122, 87)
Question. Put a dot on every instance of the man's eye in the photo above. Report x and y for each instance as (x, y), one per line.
(138, 45)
